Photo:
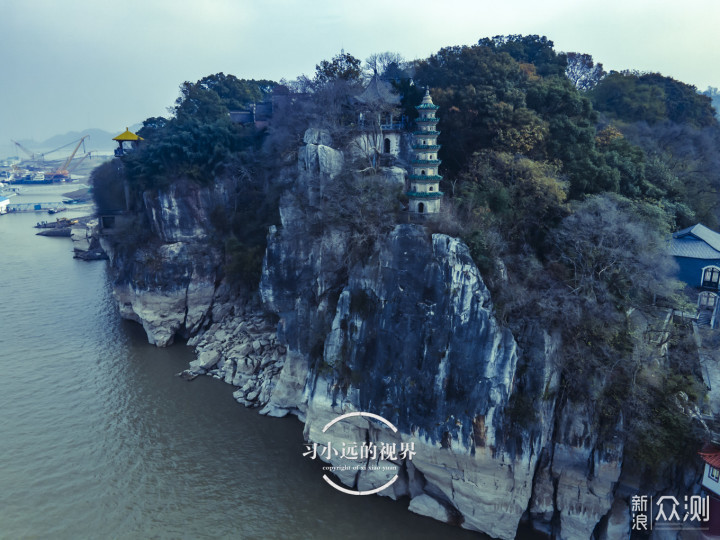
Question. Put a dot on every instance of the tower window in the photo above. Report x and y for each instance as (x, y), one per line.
(714, 473)
(711, 277)
(707, 299)
(430, 188)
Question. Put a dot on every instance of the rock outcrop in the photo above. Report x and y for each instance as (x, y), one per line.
(86, 241)
(168, 261)
(404, 330)
(411, 335)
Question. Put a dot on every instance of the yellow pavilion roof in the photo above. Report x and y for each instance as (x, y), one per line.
(128, 135)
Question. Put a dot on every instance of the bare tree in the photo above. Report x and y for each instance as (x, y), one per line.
(583, 71)
(388, 65)
(613, 252)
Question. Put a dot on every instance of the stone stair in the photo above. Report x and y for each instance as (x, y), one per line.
(704, 317)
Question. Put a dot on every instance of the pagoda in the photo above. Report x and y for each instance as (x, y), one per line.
(424, 192)
(126, 136)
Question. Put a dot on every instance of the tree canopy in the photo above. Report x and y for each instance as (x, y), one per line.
(199, 139)
(652, 98)
(343, 66)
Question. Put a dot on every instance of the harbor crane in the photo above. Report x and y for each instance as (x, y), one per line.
(61, 174)
(30, 153)
(59, 148)
(75, 165)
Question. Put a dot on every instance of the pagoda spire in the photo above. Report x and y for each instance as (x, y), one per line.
(424, 192)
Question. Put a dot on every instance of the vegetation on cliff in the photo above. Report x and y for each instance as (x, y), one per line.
(563, 180)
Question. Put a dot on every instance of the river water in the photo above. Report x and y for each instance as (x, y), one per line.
(99, 439)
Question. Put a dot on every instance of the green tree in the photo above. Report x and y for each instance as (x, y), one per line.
(531, 49)
(200, 140)
(343, 66)
(685, 170)
(196, 102)
(151, 126)
(108, 192)
(237, 93)
(478, 91)
(510, 94)
(526, 197)
(652, 98)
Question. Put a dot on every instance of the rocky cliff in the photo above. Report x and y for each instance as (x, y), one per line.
(404, 330)
(167, 262)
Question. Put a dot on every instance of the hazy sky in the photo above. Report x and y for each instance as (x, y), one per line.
(74, 64)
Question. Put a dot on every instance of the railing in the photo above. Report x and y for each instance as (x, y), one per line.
(426, 147)
(684, 316)
(425, 177)
(394, 125)
(35, 207)
(425, 195)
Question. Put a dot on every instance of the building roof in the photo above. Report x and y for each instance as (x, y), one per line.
(128, 135)
(378, 92)
(427, 102)
(696, 242)
(710, 454)
(241, 117)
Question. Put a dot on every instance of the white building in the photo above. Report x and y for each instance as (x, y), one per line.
(379, 122)
(710, 454)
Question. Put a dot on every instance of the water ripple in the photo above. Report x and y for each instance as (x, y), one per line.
(99, 439)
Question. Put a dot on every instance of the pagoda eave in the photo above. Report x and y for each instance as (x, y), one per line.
(426, 147)
(434, 178)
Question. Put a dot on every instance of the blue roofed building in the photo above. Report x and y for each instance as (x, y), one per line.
(4, 202)
(697, 253)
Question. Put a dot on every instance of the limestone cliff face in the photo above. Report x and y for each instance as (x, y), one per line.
(411, 328)
(411, 336)
(168, 284)
(406, 331)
